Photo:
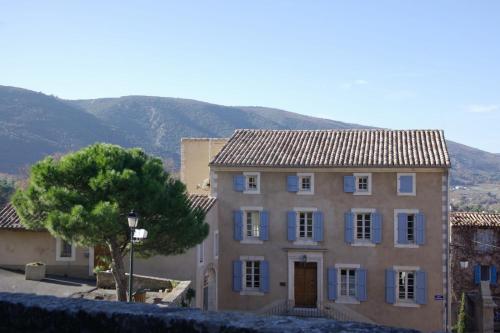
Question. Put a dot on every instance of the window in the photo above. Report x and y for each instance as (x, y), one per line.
(306, 183)
(411, 228)
(252, 224)
(406, 184)
(363, 183)
(65, 251)
(305, 225)
(363, 226)
(485, 273)
(252, 182)
(347, 282)
(252, 275)
(216, 244)
(484, 240)
(406, 286)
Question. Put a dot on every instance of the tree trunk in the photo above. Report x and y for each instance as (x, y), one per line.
(118, 270)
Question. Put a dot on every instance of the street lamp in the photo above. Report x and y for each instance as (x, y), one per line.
(133, 220)
(464, 264)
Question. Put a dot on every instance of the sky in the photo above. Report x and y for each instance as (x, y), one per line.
(393, 64)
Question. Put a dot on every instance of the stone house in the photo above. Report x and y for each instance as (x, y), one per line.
(475, 254)
(335, 218)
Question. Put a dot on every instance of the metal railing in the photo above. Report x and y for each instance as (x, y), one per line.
(288, 308)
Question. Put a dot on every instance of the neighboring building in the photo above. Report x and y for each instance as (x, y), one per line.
(198, 264)
(325, 217)
(196, 153)
(19, 246)
(475, 242)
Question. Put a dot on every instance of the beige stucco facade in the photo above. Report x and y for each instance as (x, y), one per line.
(329, 198)
(19, 247)
(196, 153)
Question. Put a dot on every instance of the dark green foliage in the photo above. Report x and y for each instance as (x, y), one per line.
(460, 327)
(84, 198)
(6, 190)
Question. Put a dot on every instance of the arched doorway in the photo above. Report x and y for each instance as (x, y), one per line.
(209, 290)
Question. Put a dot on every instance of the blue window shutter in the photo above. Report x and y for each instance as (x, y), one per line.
(402, 228)
(421, 280)
(361, 284)
(420, 229)
(264, 276)
(237, 275)
(292, 183)
(264, 225)
(291, 220)
(238, 225)
(239, 183)
(349, 184)
(493, 276)
(376, 228)
(318, 226)
(332, 283)
(390, 286)
(349, 227)
(477, 274)
(405, 184)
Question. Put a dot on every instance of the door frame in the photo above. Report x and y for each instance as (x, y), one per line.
(316, 257)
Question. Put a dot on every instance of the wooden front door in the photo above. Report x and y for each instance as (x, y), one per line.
(306, 289)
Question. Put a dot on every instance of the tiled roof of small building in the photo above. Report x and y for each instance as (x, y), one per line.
(204, 202)
(334, 148)
(474, 219)
(9, 218)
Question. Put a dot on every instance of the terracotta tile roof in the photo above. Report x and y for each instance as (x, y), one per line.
(204, 202)
(9, 218)
(473, 219)
(334, 148)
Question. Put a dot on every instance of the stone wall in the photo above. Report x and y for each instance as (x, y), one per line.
(30, 313)
(105, 280)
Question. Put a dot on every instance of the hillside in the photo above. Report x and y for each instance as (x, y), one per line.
(33, 125)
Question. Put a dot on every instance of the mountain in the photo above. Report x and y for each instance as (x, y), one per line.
(33, 125)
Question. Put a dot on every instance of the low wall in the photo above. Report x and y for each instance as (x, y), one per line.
(106, 280)
(30, 313)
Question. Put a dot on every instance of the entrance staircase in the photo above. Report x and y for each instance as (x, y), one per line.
(333, 311)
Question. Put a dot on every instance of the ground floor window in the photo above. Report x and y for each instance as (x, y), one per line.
(406, 286)
(348, 282)
(252, 275)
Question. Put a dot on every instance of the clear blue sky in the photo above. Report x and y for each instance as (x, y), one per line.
(397, 64)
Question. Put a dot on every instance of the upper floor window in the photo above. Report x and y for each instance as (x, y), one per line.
(406, 183)
(216, 244)
(485, 273)
(252, 223)
(358, 184)
(201, 253)
(409, 228)
(302, 183)
(363, 227)
(484, 240)
(305, 225)
(249, 183)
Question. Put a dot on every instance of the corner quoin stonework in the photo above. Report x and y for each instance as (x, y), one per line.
(30, 313)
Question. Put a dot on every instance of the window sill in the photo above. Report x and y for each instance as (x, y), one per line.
(407, 246)
(251, 192)
(362, 193)
(305, 193)
(402, 194)
(65, 259)
(251, 293)
(305, 242)
(347, 300)
(367, 244)
(407, 304)
(251, 241)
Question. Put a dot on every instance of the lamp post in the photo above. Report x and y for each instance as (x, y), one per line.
(132, 223)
